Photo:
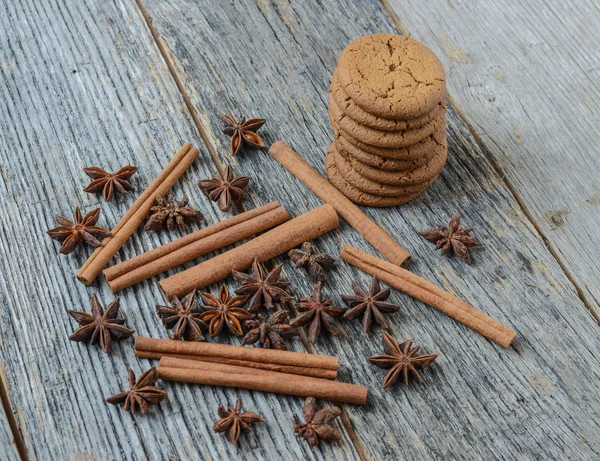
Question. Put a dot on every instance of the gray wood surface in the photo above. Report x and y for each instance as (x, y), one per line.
(527, 77)
(8, 447)
(84, 83)
(275, 60)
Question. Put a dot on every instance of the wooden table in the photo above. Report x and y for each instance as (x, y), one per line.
(115, 82)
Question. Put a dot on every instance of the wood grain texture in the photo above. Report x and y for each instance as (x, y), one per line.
(83, 84)
(8, 445)
(527, 77)
(536, 400)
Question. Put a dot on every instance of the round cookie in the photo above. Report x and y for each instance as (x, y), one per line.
(357, 196)
(424, 150)
(348, 107)
(402, 153)
(379, 138)
(392, 76)
(404, 186)
(432, 167)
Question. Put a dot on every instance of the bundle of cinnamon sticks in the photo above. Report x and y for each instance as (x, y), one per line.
(268, 370)
(193, 245)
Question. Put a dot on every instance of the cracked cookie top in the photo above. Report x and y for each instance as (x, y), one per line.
(392, 76)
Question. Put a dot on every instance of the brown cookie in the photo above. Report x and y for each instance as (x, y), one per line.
(419, 174)
(369, 186)
(361, 117)
(402, 153)
(392, 76)
(425, 149)
(379, 138)
(359, 197)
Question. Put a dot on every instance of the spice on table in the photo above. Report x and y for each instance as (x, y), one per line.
(260, 289)
(371, 305)
(233, 421)
(169, 213)
(109, 183)
(222, 311)
(84, 229)
(100, 326)
(318, 423)
(452, 238)
(318, 313)
(183, 318)
(314, 263)
(401, 360)
(243, 132)
(271, 332)
(141, 393)
(224, 188)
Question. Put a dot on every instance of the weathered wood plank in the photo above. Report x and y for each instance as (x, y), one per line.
(536, 400)
(83, 83)
(8, 446)
(527, 77)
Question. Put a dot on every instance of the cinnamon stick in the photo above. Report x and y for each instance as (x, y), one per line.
(426, 285)
(323, 189)
(251, 354)
(476, 323)
(193, 245)
(137, 213)
(304, 371)
(270, 381)
(266, 246)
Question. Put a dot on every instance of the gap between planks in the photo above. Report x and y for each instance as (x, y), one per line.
(166, 55)
(502, 175)
(18, 439)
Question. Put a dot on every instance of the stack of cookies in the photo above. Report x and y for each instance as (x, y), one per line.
(388, 112)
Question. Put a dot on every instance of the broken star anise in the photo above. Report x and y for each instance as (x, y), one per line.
(314, 263)
(83, 229)
(401, 359)
(271, 332)
(318, 423)
(170, 212)
(233, 421)
(109, 183)
(453, 238)
(224, 188)
(141, 394)
(318, 313)
(223, 311)
(183, 318)
(371, 305)
(99, 326)
(243, 132)
(260, 289)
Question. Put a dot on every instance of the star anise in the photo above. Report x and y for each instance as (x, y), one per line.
(100, 326)
(141, 394)
(169, 212)
(401, 360)
(314, 263)
(453, 238)
(271, 332)
(83, 229)
(234, 421)
(370, 305)
(317, 312)
(260, 289)
(183, 318)
(243, 132)
(224, 189)
(109, 183)
(223, 311)
(318, 423)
